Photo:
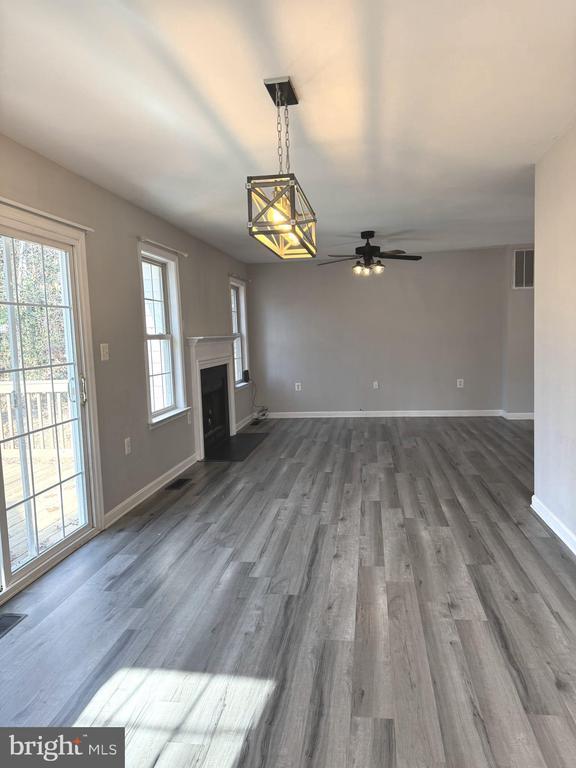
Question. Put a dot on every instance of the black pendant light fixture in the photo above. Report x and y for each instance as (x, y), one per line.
(279, 214)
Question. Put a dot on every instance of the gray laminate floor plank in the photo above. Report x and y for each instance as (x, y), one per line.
(372, 689)
(418, 737)
(372, 744)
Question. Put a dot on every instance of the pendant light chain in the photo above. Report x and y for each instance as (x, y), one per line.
(279, 129)
(279, 132)
(287, 124)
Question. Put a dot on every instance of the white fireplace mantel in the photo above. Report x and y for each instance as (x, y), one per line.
(195, 340)
(207, 352)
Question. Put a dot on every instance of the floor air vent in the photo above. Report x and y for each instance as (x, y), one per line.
(8, 621)
(176, 485)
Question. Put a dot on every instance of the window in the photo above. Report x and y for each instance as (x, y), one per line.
(238, 307)
(161, 296)
(524, 269)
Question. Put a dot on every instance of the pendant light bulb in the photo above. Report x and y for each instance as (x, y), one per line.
(277, 216)
(357, 268)
(378, 268)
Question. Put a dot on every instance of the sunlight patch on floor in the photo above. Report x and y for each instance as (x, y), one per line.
(176, 718)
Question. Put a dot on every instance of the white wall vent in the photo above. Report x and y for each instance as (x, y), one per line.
(524, 269)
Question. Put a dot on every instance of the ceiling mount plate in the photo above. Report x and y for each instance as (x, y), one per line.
(287, 92)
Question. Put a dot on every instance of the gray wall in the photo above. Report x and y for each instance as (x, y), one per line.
(114, 285)
(415, 330)
(555, 335)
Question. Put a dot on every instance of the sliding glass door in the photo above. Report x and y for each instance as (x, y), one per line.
(44, 490)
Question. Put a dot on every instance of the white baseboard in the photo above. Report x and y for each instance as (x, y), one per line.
(373, 414)
(511, 416)
(244, 422)
(555, 524)
(144, 493)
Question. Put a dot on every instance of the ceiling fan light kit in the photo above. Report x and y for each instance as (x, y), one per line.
(365, 271)
(279, 213)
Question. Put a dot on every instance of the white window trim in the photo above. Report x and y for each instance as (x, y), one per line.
(171, 415)
(236, 282)
(147, 251)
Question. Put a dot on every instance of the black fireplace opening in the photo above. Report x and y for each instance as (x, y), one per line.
(218, 444)
(215, 415)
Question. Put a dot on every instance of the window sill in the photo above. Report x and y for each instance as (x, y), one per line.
(242, 385)
(165, 417)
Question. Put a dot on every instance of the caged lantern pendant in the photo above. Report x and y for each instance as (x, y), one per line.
(279, 214)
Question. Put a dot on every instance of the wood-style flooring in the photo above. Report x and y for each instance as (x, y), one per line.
(359, 593)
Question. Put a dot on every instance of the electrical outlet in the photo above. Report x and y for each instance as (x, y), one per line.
(460, 383)
(375, 385)
(127, 446)
(104, 352)
(298, 386)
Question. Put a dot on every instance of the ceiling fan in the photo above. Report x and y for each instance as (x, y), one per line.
(368, 257)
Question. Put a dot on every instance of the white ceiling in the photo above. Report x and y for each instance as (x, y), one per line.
(419, 119)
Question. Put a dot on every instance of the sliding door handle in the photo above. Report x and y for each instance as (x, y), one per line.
(83, 391)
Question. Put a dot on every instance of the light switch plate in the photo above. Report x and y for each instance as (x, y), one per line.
(104, 352)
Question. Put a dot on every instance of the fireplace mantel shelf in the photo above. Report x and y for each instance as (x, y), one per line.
(193, 340)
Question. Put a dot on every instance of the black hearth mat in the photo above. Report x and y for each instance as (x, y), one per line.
(235, 448)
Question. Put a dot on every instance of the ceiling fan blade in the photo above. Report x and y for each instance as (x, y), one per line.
(344, 258)
(395, 252)
(405, 257)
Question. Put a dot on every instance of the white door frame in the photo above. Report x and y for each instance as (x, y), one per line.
(22, 223)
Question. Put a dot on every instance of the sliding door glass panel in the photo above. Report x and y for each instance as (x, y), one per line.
(49, 520)
(41, 430)
(73, 501)
(22, 535)
(16, 470)
(13, 418)
(44, 455)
